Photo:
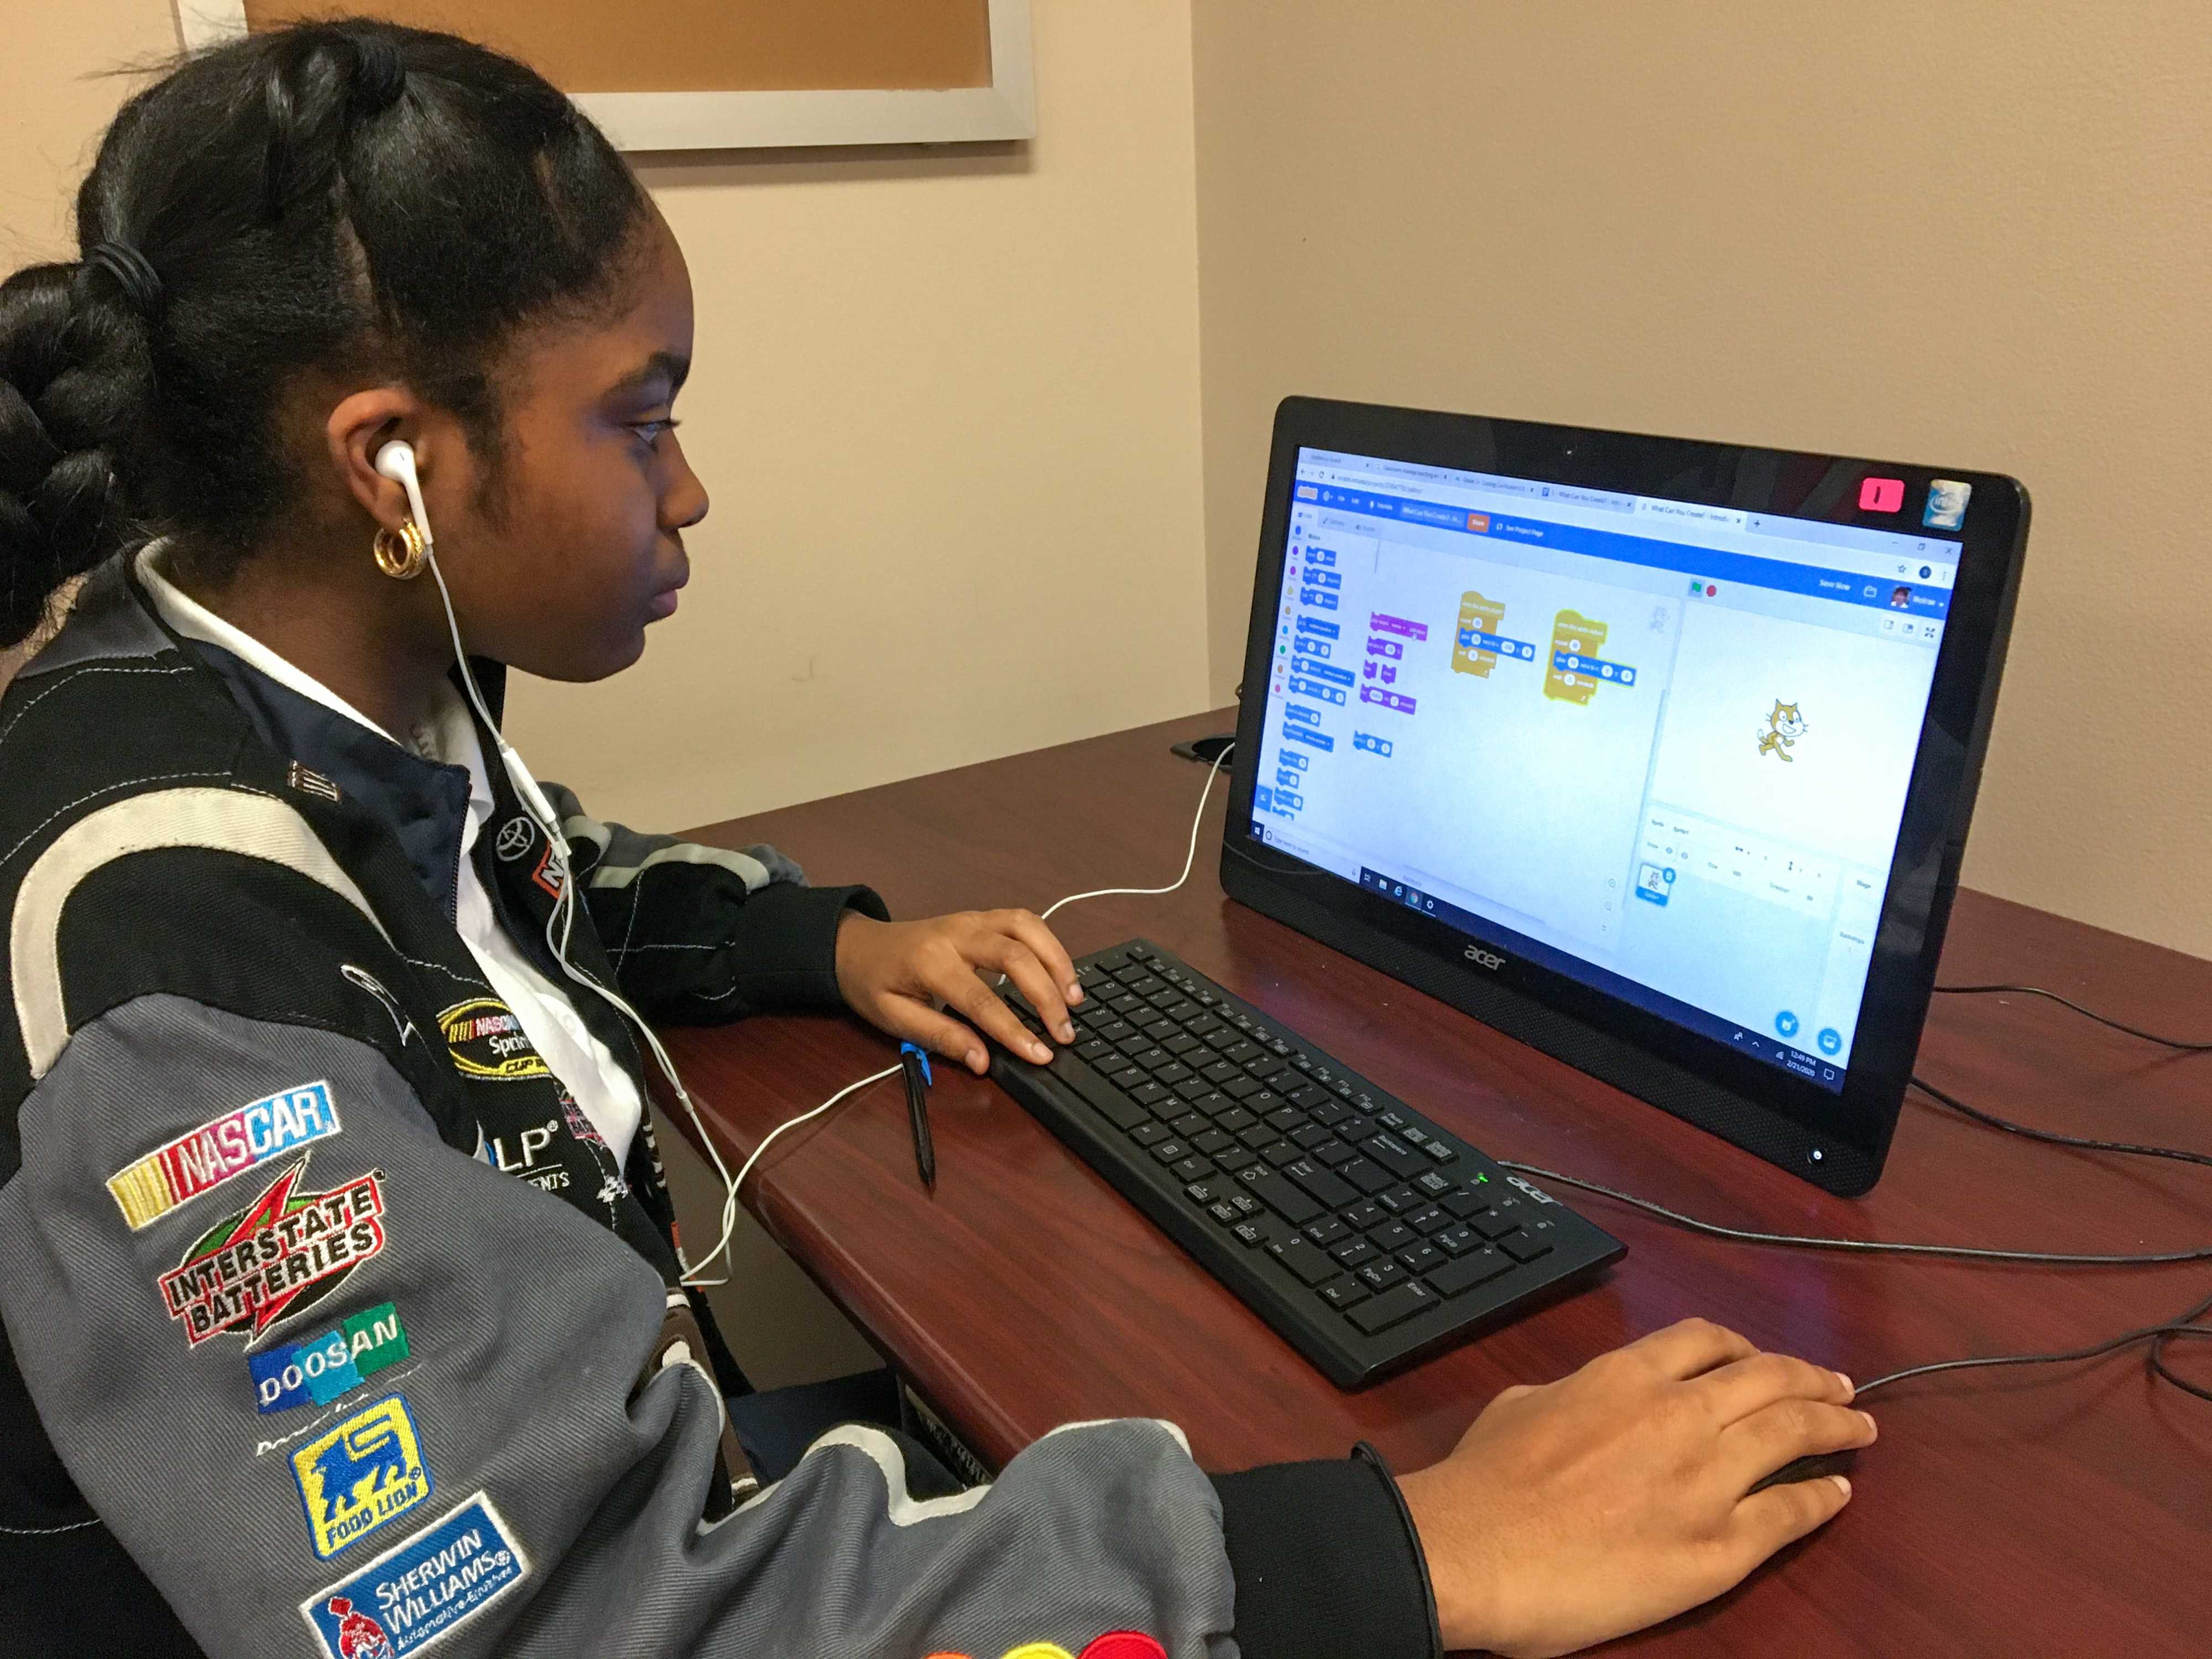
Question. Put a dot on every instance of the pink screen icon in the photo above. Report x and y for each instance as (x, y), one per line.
(1881, 494)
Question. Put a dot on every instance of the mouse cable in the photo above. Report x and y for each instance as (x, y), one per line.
(2154, 1334)
(1865, 1246)
(1190, 858)
(2175, 1044)
(2132, 1149)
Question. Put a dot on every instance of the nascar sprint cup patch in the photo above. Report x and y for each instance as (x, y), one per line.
(421, 1589)
(486, 1040)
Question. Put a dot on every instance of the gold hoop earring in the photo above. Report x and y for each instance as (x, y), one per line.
(399, 553)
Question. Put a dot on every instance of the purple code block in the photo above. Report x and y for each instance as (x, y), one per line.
(1382, 624)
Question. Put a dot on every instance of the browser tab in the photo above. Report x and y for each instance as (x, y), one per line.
(1690, 511)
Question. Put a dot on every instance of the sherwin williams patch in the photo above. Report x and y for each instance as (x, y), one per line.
(365, 1473)
(420, 1589)
(279, 1256)
(486, 1040)
(221, 1147)
(321, 1369)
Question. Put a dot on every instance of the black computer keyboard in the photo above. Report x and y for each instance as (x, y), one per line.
(1364, 1234)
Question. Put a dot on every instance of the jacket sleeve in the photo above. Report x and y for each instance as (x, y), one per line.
(366, 1392)
(701, 935)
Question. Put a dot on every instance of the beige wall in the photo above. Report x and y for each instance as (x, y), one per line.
(947, 405)
(1977, 233)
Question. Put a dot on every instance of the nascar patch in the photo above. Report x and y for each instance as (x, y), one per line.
(280, 1255)
(364, 1473)
(486, 1040)
(421, 1589)
(205, 1157)
(320, 1369)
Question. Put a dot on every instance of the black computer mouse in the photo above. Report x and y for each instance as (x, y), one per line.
(1812, 1468)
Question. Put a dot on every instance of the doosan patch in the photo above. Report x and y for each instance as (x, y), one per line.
(422, 1588)
(203, 1158)
(279, 1256)
(486, 1040)
(365, 1473)
(318, 1371)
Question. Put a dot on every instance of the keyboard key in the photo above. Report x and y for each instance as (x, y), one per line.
(1193, 1089)
(1286, 1118)
(1412, 1134)
(1280, 1153)
(1495, 1224)
(1182, 1045)
(1437, 1151)
(1241, 1050)
(1392, 1236)
(1521, 1248)
(1354, 1253)
(1380, 1313)
(1236, 1120)
(1212, 1142)
(1457, 1240)
(1312, 1095)
(1392, 1118)
(1360, 1217)
(1393, 1155)
(1469, 1270)
(1333, 1152)
(1218, 1072)
(1420, 1258)
(1343, 1293)
(1203, 1192)
(1235, 1158)
(1091, 1050)
(1430, 1218)
(1149, 1134)
(1148, 1095)
(1320, 1183)
(1174, 1071)
(1257, 1135)
(1280, 1195)
(1118, 1109)
(1188, 1123)
(1380, 1274)
(1305, 1259)
(1366, 1174)
(1155, 1059)
(1248, 1207)
(1400, 1201)
(1237, 1086)
(1191, 1168)
(1225, 1213)
(1170, 1151)
(1266, 1100)
(1433, 1183)
(1266, 1068)
(1204, 1026)
(1330, 1112)
(1326, 1231)
(1464, 1203)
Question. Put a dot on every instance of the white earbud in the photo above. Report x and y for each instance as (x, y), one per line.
(395, 461)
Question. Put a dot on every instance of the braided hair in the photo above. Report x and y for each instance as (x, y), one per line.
(346, 196)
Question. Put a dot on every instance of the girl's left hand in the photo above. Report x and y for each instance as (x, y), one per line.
(894, 974)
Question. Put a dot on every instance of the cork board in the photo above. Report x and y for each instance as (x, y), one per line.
(706, 46)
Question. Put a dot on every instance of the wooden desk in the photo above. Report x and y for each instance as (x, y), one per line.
(2038, 1511)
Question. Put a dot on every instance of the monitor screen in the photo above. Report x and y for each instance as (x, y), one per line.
(1661, 748)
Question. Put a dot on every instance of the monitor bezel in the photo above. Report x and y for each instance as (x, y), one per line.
(1838, 1141)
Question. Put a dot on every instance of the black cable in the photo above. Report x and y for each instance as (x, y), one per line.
(1818, 1241)
(2131, 1148)
(2068, 1002)
(2158, 1351)
(2153, 1334)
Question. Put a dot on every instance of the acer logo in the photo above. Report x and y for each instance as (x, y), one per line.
(1489, 959)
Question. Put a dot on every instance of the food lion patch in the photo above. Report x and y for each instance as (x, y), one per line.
(279, 1256)
(422, 1588)
(486, 1040)
(366, 1471)
(200, 1159)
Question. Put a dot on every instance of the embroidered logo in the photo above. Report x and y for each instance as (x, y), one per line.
(323, 1368)
(515, 838)
(486, 1040)
(308, 782)
(364, 1472)
(279, 1256)
(363, 980)
(422, 1588)
(549, 873)
(205, 1157)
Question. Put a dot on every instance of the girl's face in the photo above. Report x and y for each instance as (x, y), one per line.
(559, 558)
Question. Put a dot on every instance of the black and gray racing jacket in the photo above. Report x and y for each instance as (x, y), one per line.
(334, 1329)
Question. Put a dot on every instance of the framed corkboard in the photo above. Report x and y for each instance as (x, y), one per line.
(732, 74)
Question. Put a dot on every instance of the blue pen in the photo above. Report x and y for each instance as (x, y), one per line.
(915, 1064)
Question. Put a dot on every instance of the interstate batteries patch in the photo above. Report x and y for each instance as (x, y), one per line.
(279, 1256)
(224, 1146)
(486, 1040)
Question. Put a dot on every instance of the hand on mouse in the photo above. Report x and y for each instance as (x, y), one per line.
(1615, 1497)
(894, 974)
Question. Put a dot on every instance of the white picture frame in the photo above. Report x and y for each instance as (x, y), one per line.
(647, 121)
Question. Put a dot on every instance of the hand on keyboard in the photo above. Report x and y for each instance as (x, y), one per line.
(1616, 1498)
(894, 974)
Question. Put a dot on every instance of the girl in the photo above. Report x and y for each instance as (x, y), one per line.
(344, 1314)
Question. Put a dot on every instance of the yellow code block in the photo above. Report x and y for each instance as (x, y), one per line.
(1476, 615)
(1575, 635)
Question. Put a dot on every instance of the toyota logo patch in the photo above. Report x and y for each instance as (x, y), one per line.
(515, 838)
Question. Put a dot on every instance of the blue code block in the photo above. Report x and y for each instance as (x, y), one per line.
(1288, 779)
(1320, 740)
(1261, 802)
(1299, 760)
(1315, 625)
(1315, 648)
(1315, 688)
(1299, 712)
(1318, 599)
(1324, 579)
(1371, 744)
(1320, 555)
(1321, 670)
(1286, 802)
